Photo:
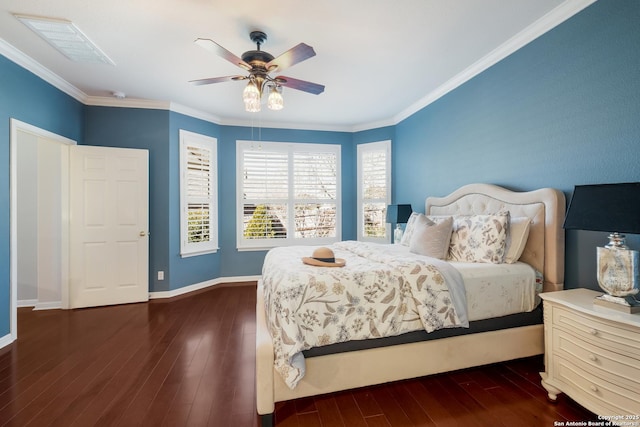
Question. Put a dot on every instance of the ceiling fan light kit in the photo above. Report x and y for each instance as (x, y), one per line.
(251, 97)
(259, 64)
(275, 101)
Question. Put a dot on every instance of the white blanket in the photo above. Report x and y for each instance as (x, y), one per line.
(378, 293)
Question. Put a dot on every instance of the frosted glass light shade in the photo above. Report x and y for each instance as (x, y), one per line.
(251, 98)
(275, 101)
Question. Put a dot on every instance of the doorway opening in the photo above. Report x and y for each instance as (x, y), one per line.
(39, 228)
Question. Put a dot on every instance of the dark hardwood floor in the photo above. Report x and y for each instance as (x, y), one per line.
(190, 361)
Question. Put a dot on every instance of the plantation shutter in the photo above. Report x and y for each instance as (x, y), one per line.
(198, 179)
(266, 175)
(315, 189)
(374, 178)
(315, 176)
(266, 193)
(198, 194)
(287, 192)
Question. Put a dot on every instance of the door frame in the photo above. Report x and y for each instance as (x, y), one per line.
(17, 126)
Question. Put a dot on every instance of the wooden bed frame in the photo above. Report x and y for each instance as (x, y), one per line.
(342, 371)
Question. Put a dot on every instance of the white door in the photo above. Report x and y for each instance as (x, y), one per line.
(109, 209)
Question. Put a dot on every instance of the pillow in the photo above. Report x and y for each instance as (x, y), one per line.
(408, 230)
(431, 239)
(439, 218)
(479, 238)
(517, 238)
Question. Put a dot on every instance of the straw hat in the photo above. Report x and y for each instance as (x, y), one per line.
(324, 257)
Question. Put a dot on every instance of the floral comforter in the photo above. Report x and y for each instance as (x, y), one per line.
(380, 292)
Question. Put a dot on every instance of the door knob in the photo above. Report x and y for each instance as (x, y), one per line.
(142, 234)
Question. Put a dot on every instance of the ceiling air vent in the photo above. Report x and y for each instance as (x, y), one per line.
(66, 38)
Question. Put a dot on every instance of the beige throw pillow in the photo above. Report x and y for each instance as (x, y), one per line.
(517, 238)
(431, 239)
(479, 238)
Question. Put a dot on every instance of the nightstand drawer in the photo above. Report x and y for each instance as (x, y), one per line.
(592, 354)
(600, 332)
(601, 362)
(594, 392)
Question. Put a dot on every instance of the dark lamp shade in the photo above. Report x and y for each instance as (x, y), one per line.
(605, 207)
(398, 214)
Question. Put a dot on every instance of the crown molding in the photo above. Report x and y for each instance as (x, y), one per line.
(374, 125)
(552, 19)
(549, 21)
(107, 101)
(192, 112)
(39, 70)
(283, 125)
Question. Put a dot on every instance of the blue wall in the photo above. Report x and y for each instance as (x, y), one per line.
(143, 129)
(158, 131)
(236, 263)
(562, 111)
(197, 269)
(25, 97)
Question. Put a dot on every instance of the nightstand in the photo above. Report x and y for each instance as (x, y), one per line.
(592, 354)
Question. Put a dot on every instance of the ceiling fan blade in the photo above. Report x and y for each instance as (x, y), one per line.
(291, 57)
(216, 80)
(214, 47)
(302, 85)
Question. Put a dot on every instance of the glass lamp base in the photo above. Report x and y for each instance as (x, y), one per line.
(397, 234)
(618, 271)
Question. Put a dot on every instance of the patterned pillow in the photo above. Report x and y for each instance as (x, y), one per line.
(409, 228)
(479, 238)
(430, 238)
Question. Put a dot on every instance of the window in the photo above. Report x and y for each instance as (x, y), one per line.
(198, 194)
(374, 191)
(288, 193)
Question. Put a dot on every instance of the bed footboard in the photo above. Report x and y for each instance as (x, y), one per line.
(335, 372)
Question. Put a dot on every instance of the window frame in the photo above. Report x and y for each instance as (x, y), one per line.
(243, 244)
(361, 150)
(191, 139)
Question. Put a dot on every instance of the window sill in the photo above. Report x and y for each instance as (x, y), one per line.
(256, 249)
(192, 254)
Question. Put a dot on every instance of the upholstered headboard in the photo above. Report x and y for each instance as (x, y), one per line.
(545, 245)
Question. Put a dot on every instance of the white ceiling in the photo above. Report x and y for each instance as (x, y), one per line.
(380, 60)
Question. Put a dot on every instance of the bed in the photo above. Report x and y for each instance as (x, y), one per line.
(334, 369)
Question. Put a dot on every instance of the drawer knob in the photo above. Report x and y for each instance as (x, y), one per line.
(593, 332)
(594, 388)
(593, 357)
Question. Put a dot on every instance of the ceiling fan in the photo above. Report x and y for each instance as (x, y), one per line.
(260, 64)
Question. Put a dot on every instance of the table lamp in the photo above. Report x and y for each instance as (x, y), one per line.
(398, 214)
(614, 208)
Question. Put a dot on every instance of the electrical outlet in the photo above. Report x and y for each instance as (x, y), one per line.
(160, 275)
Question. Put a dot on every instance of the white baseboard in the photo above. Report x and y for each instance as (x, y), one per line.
(27, 303)
(6, 340)
(53, 305)
(202, 285)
